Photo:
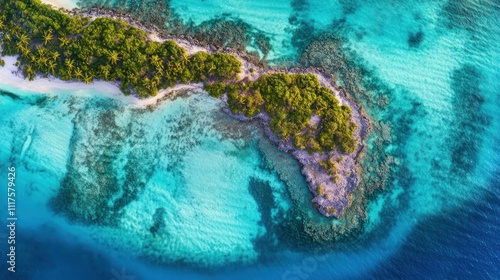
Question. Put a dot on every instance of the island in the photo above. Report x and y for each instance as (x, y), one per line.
(300, 109)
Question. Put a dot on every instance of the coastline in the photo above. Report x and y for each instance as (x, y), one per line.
(65, 4)
(335, 191)
(11, 76)
(331, 193)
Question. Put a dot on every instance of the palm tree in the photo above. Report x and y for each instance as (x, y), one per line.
(20, 46)
(78, 73)
(24, 39)
(156, 62)
(43, 60)
(52, 67)
(47, 37)
(66, 75)
(28, 70)
(32, 58)
(185, 57)
(113, 57)
(105, 72)
(64, 41)
(176, 65)
(41, 51)
(69, 63)
(211, 68)
(159, 71)
(38, 62)
(7, 37)
(88, 78)
(147, 83)
(55, 55)
(156, 80)
(25, 51)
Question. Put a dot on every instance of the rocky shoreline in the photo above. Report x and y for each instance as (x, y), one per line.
(331, 191)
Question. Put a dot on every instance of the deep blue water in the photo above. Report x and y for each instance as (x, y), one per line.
(436, 65)
(462, 244)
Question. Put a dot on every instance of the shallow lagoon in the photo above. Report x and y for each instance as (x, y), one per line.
(183, 163)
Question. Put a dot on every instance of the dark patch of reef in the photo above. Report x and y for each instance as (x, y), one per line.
(415, 39)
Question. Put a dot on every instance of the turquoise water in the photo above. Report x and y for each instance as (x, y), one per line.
(438, 217)
(183, 168)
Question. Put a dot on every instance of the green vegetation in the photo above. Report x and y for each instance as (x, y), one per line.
(50, 42)
(241, 98)
(216, 89)
(75, 48)
(321, 190)
(331, 210)
(212, 67)
(291, 101)
(2, 62)
(329, 165)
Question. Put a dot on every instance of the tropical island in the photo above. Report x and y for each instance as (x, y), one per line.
(300, 109)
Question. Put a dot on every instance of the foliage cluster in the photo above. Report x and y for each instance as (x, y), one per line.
(320, 190)
(330, 166)
(216, 89)
(291, 101)
(75, 48)
(242, 98)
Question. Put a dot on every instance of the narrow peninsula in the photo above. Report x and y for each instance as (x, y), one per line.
(301, 110)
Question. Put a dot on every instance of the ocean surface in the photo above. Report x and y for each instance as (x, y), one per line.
(110, 190)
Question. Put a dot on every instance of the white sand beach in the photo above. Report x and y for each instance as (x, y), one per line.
(67, 4)
(11, 76)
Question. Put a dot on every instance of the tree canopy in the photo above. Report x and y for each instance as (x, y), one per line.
(76, 48)
(292, 100)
